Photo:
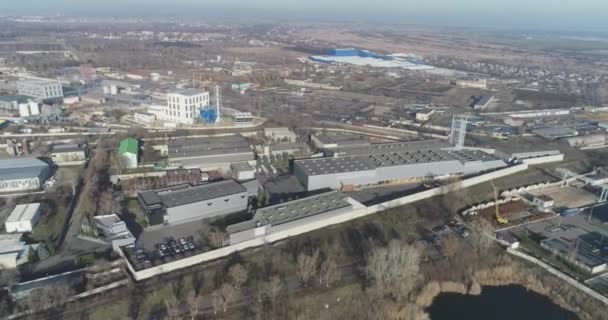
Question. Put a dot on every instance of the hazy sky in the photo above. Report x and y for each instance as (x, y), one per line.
(543, 13)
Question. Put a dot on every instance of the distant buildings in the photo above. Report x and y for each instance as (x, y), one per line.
(482, 102)
(280, 135)
(144, 118)
(311, 85)
(553, 133)
(424, 116)
(23, 218)
(63, 154)
(473, 84)
(184, 106)
(129, 152)
(242, 118)
(22, 174)
(187, 203)
(588, 141)
(31, 108)
(242, 171)
(40, 89)
(366, 58)
(322, 141)
(11, 103)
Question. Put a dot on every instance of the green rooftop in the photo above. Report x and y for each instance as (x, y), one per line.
(129, 145)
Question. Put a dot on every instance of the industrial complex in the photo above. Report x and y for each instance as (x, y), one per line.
(223, 159)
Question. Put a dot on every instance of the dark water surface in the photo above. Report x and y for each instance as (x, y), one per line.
(498, 303)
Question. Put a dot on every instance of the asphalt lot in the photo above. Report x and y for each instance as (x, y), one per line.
(153, 235)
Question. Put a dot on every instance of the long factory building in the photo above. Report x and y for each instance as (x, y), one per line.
(209, 152)
(391, 163)
(185, 203)
(290, 215)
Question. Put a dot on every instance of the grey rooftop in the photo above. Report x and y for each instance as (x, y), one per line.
(293, 210)
(185, 194)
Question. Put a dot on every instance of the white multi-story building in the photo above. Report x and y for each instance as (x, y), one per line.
(183, 106)
(41, 89)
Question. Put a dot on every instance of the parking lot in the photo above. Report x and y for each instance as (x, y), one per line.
(167, 249)
(154, 235)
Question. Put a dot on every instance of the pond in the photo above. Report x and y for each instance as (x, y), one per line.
(497, 303)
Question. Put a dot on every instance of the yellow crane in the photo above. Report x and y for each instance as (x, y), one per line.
(499, 218)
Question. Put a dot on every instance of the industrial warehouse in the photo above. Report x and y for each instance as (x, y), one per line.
(366, 58)
(390, 163)
(185, 203)
(209, 152)
(289, 215)
(22, 174)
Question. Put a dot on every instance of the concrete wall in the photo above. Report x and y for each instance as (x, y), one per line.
(419, 170)
(547, 159)
(336, 180)
(315, 224)
(208, 208)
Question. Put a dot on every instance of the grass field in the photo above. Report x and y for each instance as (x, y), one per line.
(115, 311)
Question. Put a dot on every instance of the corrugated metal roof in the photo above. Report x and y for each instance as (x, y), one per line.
(23, 212)
(129, 145)
(15, 163)
(21, 168)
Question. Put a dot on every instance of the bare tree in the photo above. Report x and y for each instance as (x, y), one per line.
(394, 268)
(172, 307)
(228, 293)
(217, 301)
(329, 272)
(48, 297)
(216, 238)
(194, 303)
(273, 288)
(307, 266)
(238, 274)
(450, 246)
(106, 203)
(483, 235)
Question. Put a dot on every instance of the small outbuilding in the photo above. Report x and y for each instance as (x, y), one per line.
(23, 218)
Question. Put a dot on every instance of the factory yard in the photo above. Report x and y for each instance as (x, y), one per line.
(569, 197)
(159, 148)
(152, 236)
